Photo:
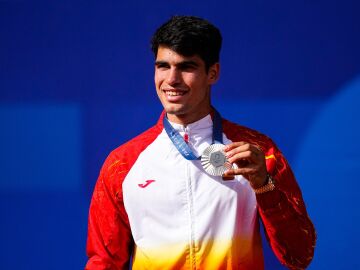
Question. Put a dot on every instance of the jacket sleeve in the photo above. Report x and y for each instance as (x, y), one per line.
(288, 227)
(109, 242)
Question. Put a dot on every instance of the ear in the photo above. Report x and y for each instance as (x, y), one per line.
(214, 73)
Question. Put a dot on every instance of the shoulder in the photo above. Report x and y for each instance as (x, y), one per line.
(236, 132)
(126, 154)
(120, 160)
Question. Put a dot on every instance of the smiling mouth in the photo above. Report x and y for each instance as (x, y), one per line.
(174, 93)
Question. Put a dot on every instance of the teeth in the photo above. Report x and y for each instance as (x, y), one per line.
(174, 93)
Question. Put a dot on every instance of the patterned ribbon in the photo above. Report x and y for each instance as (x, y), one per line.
(182, 146)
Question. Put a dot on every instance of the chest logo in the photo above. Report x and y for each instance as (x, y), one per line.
(147, 182)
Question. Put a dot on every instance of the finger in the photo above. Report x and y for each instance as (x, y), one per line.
(243, 147)
(237, 149)
(240, 171)
(233, 145)
(241, 156)
(249, 168)
(247, 152)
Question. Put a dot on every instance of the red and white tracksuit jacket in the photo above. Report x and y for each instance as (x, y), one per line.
(153, 209)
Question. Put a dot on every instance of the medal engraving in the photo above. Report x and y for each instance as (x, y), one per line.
(214, 160)
(217, 158)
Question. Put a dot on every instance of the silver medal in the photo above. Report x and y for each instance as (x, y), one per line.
(214, 160)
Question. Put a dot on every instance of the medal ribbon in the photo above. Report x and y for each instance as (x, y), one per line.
(182, 146)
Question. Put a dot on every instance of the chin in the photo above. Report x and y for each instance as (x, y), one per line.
(176, 110)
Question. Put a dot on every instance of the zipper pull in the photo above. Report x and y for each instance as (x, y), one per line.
(186, 138)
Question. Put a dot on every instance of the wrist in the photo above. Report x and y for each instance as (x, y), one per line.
(268, 185)
(260, 181)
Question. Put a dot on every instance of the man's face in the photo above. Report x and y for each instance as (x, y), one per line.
(183, 85)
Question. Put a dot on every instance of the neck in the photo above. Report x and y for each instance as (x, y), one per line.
(185, 119)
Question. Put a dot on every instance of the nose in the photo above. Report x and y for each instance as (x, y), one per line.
(173, 76)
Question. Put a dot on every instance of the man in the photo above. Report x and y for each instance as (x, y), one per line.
(157, 205)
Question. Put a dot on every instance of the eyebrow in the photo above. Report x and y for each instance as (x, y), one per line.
(180, 64)
(158, 63)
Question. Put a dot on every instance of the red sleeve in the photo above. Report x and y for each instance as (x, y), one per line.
(289, 229)
(109, 242)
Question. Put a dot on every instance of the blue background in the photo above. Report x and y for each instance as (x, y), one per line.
(76, 81)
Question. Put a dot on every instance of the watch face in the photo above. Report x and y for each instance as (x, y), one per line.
(214, 160)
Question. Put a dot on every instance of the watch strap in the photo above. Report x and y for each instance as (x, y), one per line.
(270, 186)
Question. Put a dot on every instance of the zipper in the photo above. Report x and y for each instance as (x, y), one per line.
(191, 219)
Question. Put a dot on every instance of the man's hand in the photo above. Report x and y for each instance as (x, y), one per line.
(250, 161)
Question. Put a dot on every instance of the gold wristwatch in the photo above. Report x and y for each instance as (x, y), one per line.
(266, 188)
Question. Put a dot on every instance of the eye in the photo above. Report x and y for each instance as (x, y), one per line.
(188, 66)
(161, 65)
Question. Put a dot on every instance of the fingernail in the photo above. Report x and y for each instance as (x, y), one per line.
(227, 178)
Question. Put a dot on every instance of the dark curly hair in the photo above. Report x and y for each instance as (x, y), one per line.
(188, 36)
